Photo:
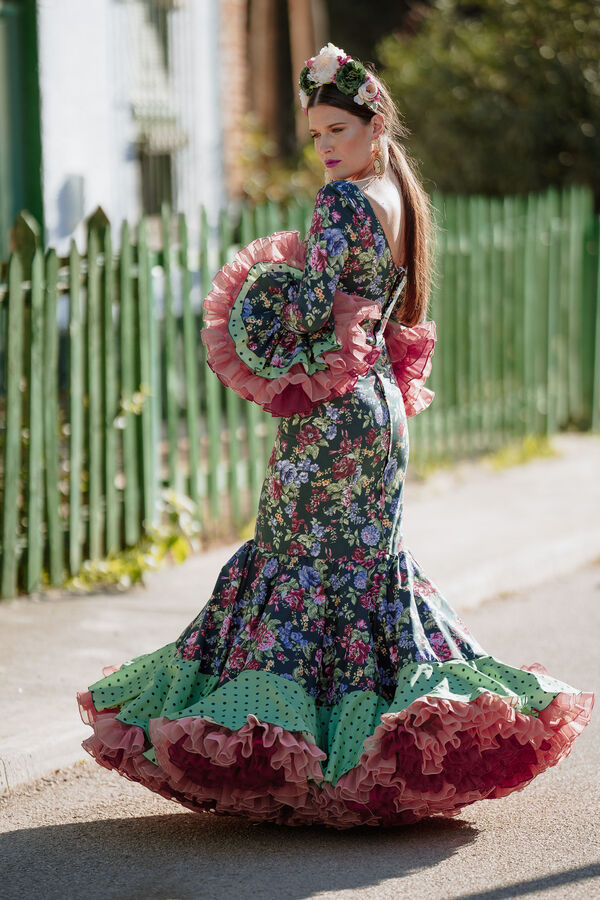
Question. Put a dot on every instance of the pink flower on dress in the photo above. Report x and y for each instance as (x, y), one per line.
(308, 435)
(439, 645)
(264, 638)
(275, 488)
(225, 625)
(358, 652)
(295, 598)
(237, 658)
(318, 258)
(319, 596)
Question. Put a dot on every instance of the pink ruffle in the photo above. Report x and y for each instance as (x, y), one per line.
(293, 391)
(433, 758)
(410, 350)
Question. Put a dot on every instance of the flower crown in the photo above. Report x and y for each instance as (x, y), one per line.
(334, 66)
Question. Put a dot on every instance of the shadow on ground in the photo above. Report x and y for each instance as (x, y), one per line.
(185, 856)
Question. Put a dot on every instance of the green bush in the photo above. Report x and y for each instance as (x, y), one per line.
(501, 96)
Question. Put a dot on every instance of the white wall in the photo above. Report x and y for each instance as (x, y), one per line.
(200, 170)
(88, 131)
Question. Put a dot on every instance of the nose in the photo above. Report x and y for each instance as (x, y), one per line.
(326, 146)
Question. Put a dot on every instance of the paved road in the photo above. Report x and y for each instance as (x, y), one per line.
(85, 832)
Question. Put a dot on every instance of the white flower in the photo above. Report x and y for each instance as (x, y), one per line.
(324, 66)
(367, 93)
(303, 98)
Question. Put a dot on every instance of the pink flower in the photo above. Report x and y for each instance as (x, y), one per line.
(275, 488)
(367, 601)
(264, 638)
(225, 625)
(237, 658)
(229, 594)
(252, 626)
(343, 467)
(295, 598)
(296, 549)
(358, 652)
(439, 645)
(318, 258)
(319, 596)
(366, 235)
(308, 435)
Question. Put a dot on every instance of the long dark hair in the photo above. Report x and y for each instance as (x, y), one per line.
(417, 205)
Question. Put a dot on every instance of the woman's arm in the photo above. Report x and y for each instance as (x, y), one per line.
(329, 238)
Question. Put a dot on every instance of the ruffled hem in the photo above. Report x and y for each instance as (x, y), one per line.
(434, 757)
(410, 350)
(294, 391)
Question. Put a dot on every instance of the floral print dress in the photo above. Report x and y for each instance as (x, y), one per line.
(327, 680)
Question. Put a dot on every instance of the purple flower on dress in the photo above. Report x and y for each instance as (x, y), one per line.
(381, 415)
(379, 244)
(360, 580)
(370, 535)
(390, 471)
(309, 577)
(271, 567)
(287, 471)
(336, 242)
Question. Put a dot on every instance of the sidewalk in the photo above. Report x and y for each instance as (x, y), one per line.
(475, 532)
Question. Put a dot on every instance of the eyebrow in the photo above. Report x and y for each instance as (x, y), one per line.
(333, 124)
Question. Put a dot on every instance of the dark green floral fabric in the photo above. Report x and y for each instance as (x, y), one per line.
(326, 594)
(346, 250)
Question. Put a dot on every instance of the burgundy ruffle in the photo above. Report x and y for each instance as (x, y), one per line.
(294, 391)
(410, 350)
(432, 758)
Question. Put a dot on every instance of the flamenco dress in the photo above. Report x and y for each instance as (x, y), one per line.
(327, 680)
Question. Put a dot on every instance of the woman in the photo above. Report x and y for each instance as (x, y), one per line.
(327, 680)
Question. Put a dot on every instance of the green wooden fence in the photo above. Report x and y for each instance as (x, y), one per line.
(101, 413)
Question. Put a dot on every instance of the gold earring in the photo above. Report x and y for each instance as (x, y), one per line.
(378, 162)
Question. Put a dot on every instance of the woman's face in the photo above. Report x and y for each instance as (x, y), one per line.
(343, 142)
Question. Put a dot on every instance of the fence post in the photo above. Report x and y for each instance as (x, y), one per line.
(211, 388)
(129, 343)
(23, 242)
(94, 390)
(76, 411)
(55, 534)
(170, 338)
(191, 344)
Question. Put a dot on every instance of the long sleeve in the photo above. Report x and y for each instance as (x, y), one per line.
(328, 241)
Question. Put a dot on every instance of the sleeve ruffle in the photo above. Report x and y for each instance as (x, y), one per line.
(332, 359)
(410, 349)
(253, 352)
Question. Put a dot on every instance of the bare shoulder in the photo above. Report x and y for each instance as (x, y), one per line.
(385, 196)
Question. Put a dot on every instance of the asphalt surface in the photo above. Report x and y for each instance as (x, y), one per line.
(86, 832)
